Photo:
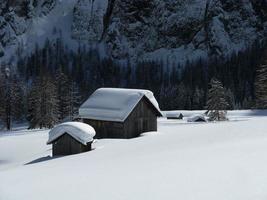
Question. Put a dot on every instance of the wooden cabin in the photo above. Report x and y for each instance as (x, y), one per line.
(197, 118)
(120, 113)
(71, 138)
(174, 116)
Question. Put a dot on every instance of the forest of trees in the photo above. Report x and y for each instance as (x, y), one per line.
(51, 83)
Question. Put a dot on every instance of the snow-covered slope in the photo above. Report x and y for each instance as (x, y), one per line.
(172, 30)
(182, 161)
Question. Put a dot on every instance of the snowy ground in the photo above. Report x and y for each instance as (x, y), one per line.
(205, 161)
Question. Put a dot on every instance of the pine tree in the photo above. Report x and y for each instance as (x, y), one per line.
(2, 99)
(198, 98)
(49, 104)
(230, 98)
(261, 85)
(11, 98)
(34, 105)
(75, 100)
(63, 91)
(43, 109)
(7, 102)
(17, 99)
(216, 103)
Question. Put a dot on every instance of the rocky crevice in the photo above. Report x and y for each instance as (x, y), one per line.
(107, 17)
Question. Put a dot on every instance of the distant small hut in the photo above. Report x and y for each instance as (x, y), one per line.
(178, 116)
(120, 113)
(197, 118)
(71, 138)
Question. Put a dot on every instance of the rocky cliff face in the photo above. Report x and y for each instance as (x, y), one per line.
(16, 18)
(171, 30)
(175, 30)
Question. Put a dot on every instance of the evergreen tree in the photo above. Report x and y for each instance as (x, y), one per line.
(34, 99)
(11, 98)
(2, 98)
(75, 100)
(43, 109)
(7, 103)
(168, 97)
(198, 99)
(49, 109)
(17, 99)
(183, 97)
(230, 98)
(63, 92)
(216, 103)
(248, 103)
(261, 85)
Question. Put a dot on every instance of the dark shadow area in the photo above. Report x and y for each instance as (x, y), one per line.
(237, 120)
(42, 159)
(262, 113)
(47, 158)
(3, 162)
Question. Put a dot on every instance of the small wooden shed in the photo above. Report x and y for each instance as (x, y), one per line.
(71, 138)
(120, 113)
(197, 118)
(174, 116)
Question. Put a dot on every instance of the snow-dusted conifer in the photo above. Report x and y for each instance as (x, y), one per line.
(43, 104)
(75, 100)
(230, 98)
(217, 103)
(261, 85)
(63, 91)
(17, 99)
(49, 103)
(34, 105)
(11, 98)
(2, 99)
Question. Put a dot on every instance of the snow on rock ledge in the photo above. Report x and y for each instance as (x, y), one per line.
(79, 131)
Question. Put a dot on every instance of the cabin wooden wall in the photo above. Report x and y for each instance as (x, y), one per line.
(142, 119)
(106, 129)
(67, 145)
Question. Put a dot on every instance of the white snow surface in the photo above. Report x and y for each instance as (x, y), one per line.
(80, 131)
(114, 104)
(189, 161)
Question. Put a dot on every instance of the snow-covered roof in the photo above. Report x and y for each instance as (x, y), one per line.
(82, 132)
(114, 104)
(196, 118)
(173, 114)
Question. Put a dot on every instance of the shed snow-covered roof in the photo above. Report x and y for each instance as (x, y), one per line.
(173, 114)
(197, 117)
(114, 104)
(83, 133)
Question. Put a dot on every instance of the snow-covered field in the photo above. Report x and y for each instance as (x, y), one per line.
(188, 161)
